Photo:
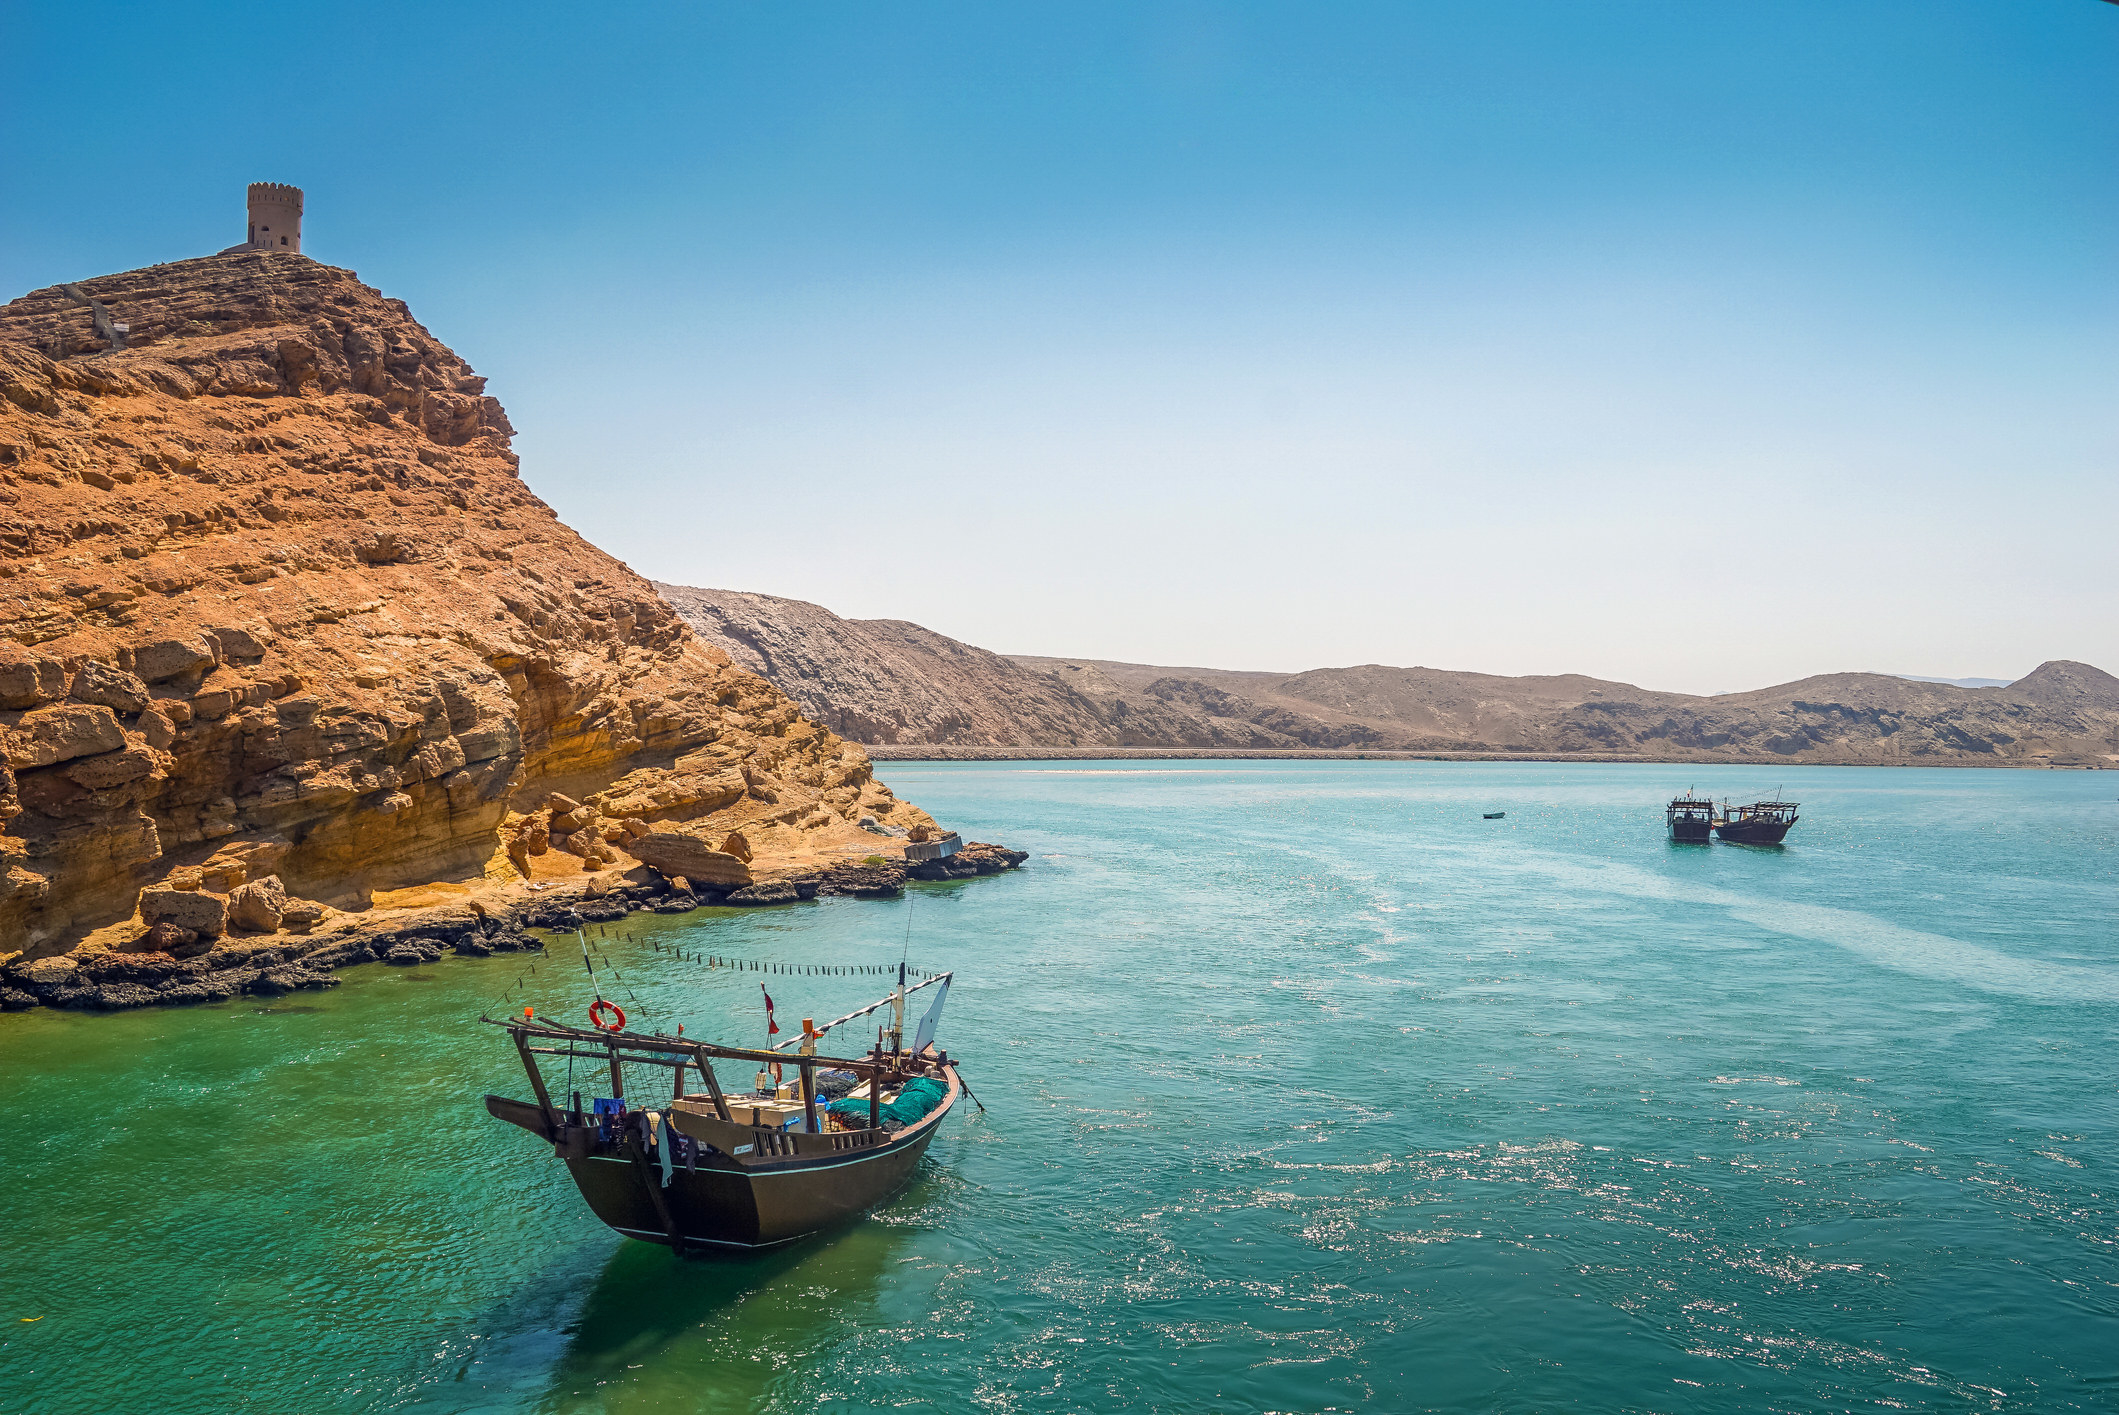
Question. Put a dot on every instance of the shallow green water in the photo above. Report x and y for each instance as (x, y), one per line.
(1308, 1090)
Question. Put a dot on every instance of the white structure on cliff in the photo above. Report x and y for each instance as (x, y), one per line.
(275, 217)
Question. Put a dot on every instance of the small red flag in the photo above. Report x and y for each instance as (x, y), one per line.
(772, 1028)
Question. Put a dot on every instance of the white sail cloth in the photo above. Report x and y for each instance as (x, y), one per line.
(933, 1019)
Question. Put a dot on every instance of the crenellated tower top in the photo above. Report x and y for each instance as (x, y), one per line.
(275, 217)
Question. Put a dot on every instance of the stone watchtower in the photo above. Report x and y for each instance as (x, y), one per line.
(275, 217)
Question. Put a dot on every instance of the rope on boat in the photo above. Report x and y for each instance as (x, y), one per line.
(795, 970)
(612, 969)
(751, 965)
(715, 961)
(507, 994)
(932, 979)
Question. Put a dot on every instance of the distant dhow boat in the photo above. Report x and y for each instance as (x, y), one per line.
(719, 1170)
(1760, 823)
(1691, 819)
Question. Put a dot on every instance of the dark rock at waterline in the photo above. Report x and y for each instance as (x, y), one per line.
(976, 858)
(218, 969)
(290, 977)
(885, 880)
(251, 956)
(209, 987)
(219, 987)
(339, 954)
(112, 996)
(148, 969)
(39, 976)
(756, 896)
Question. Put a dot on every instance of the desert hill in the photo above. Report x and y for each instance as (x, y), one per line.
(886, 680)
(274, 599)
(896, 685)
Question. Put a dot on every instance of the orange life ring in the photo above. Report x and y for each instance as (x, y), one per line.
(596, 1019)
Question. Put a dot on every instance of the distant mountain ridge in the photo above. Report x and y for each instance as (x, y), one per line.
(887, 682)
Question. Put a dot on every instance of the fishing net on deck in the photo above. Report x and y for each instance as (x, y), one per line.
(915, 1101)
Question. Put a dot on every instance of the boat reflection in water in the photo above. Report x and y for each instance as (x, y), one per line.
(720, 1170)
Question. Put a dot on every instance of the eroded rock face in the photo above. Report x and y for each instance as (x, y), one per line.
(257, 906)
(682, 855)
(197, 911)
(269, 581)
(51, 735)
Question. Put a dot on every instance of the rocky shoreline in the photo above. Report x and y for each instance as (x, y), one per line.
(497, 922)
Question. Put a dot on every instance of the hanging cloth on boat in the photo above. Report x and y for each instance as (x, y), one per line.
(661, 1133)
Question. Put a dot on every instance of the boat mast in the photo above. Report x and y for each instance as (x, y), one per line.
(897, 999)
(897, 1011)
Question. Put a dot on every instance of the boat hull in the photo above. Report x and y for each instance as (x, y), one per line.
(730, 1208)
(747, 1188)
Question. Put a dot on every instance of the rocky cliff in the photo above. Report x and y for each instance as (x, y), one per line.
(276, 605)
(893, 684)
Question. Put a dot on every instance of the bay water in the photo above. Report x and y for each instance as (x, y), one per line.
(1306, 1088)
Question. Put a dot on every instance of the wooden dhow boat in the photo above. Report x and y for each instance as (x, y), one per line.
(1760, 823)
(1691, 819)
(714, 1169)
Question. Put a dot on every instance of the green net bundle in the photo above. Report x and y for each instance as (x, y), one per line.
(915, 1101)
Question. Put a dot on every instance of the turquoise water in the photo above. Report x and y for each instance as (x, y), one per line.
(1307, 1089)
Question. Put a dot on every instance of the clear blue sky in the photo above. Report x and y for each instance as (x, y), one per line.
(1703, 346)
